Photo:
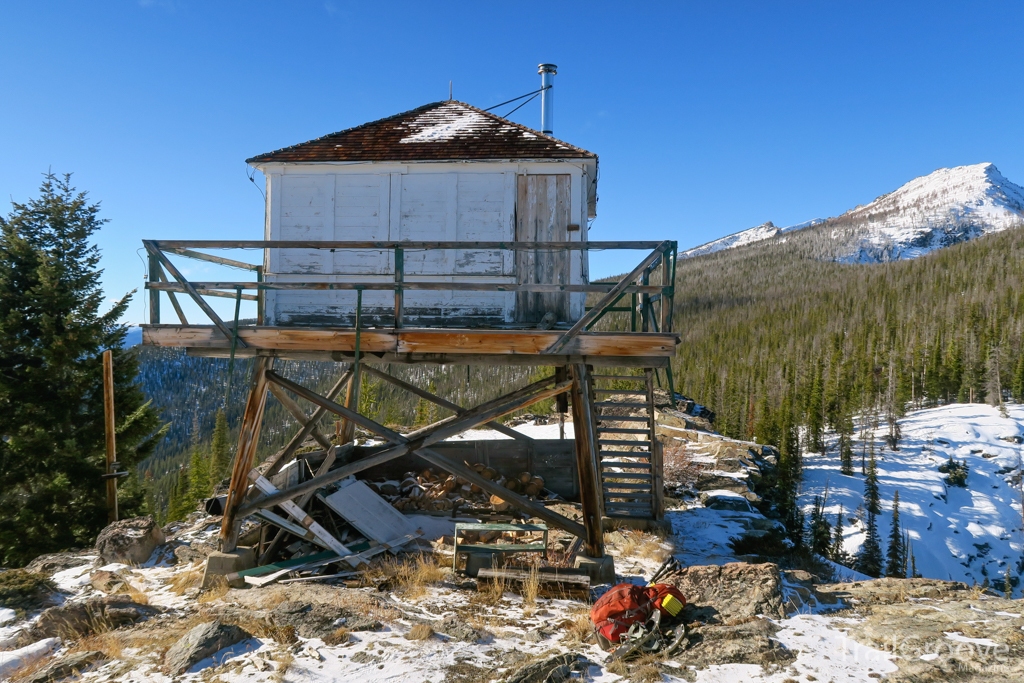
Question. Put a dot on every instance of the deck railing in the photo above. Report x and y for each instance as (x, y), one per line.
(651, 304)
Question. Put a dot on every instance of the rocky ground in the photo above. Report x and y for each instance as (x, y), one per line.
(101, 615)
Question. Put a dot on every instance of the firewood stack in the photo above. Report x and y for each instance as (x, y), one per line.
(429, 491)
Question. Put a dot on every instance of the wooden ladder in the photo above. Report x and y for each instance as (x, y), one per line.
(628, 452)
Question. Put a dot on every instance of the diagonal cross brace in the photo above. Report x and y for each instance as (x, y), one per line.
(607, 300)
(529, 395)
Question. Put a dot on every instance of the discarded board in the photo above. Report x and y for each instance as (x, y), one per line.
(556, 580)
(370, 514)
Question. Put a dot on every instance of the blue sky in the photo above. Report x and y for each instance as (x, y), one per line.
(709, 117)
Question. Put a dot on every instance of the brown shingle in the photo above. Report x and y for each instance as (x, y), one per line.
(434, 132)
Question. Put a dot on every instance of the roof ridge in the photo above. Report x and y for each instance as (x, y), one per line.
(298, 149)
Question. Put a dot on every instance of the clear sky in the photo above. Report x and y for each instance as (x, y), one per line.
(709, 117)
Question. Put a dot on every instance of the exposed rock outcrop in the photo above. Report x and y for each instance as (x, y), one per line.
(129, 541)
(89, 616)
(738, 590)
(199, 643)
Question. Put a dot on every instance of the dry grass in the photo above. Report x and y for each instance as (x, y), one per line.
(420, 632)
(337, 637)
(579, 629)
(110, 644)
(284, 661)
(412, 577)
(531, 587)
(489, 591)
(137, 595)
(642, 670)
(184, 581)
(644, 544)
(216, 591)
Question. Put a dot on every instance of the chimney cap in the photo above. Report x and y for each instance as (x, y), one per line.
(547, 68)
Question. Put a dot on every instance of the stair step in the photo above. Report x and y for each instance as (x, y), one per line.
(626, 495)
(631, 378)
(635, 476)
(614, 507)
(622, 442)
(621, 463)
(622, 430)
(618, 404)
(622, 418)
(630, 392)
(632, 487)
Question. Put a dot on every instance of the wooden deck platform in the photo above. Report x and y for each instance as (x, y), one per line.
(647, 349)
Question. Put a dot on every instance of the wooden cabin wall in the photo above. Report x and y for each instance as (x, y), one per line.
(456, 202)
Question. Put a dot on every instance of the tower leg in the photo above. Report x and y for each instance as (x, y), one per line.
(586, 459)
(248, 438)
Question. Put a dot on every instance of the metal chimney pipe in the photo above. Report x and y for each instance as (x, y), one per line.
(547, 97)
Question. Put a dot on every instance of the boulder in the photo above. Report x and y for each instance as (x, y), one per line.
(52, 563)
(556, 668)
(129, 541)
(721, 499)
(199, 643)
(89, 616)
(66, 666)
(745, 641)
(736, 590)
(107, 581)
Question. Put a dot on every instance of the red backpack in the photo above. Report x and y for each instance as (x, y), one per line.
(626, 604)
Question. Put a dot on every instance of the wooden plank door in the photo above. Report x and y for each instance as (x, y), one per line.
(542, 215)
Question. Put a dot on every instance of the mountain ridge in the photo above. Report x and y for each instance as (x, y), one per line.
(942, 208)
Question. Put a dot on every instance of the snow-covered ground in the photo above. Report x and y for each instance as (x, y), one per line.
(962, 534)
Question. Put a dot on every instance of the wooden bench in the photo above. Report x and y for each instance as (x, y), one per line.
(490, 548)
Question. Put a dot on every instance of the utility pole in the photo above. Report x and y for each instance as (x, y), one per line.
(111, 475)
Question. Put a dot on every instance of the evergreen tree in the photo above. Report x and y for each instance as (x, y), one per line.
(52, 336)
(819, 532)
(220, 449)
(1018, 379)
(199, 486)
(837, 552)
(869, 557)
(872, 502)
(180, 505)
(896, 556)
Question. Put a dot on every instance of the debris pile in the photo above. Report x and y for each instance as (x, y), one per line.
(428, 491)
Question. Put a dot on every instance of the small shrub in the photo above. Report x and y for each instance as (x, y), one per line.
(420, 632)
(337, 637)
(956, 472)
(24, 591)
(772, 544)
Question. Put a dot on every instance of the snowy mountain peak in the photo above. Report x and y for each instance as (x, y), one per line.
(755, 234)
(937, 210)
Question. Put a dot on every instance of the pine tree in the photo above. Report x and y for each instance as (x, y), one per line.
(837, 552)
(52, 335)
(179, 506)
(199, 486)
(869, 557)
(220, 449)
(819, 531)
(872, 502)
(896, 560)
(1018, 378)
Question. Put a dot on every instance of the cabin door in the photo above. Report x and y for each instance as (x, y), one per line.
(542, 215)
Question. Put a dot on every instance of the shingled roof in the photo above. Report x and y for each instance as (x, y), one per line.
(434, 132)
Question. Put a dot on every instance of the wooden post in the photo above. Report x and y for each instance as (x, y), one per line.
(348, 428)
(657, 460)
(399, 279)
(108, 419)
(154, 294)
(248, 438)
(591, 495)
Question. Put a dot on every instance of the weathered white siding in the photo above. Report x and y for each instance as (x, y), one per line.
(414, 202)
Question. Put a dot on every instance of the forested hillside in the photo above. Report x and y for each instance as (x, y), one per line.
(773, 336)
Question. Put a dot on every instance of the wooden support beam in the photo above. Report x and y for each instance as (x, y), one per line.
(448, 405)
(348, 428)
(504, 344)
(586, 460)
(657, 460)
(430, 286)
(161, 277)
(248, 437)
(296, 412)
(220, 260)
(607, 300)
(283, 457)
(528, 395)
(154, 295)
(408, 246)
(176, 274)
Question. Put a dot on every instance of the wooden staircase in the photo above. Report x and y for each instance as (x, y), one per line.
(628, 453)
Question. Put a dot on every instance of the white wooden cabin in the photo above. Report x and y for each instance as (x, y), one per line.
(446, 171)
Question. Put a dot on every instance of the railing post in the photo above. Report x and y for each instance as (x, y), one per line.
(154, 294)
(348, 428)
(399, 279)
(260, 294)
(645, 302)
